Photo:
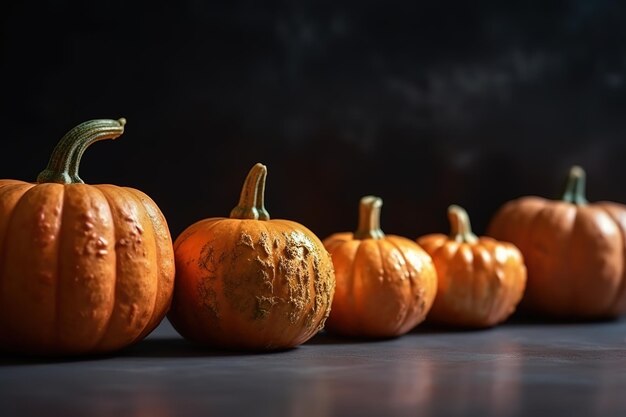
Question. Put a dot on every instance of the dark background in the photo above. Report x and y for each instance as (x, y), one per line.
(422, 103)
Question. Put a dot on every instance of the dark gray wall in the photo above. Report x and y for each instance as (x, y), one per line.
(422, 103)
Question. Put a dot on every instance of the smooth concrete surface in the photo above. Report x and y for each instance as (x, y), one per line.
(517, 369)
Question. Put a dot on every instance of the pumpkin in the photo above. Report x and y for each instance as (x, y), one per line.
(250, 283)
(480, 280)
(574, 250)
(385, 284)
(83, 268)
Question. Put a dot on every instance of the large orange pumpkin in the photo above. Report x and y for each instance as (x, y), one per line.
(248, 282)
(480, 280)
(385, 284)
(574, 251)
(83, 268)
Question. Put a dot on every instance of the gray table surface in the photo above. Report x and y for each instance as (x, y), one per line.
(516, 369)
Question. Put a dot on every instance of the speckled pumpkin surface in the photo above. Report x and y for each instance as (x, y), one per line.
(83, 268)
(248, 282)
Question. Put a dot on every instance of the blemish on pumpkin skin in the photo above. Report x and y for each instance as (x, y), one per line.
(246, 240)
(264, 306)
(274, 272)
(206, 261)
(422, 305)
(95, 246)
(88, 227)
(43, 231)
(132, 313)
(294, 266)
(101, 248)
(292, 252)
(297, 308)
(265, 268)
(208, 298)
(85, 223)
(240, 287)
(264, 243)
(45, 240)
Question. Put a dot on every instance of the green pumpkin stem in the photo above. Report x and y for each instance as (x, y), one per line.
(460, 227)
(65, 160)
(369, 218)
(252, 201)
(260, 196)
(575, 186)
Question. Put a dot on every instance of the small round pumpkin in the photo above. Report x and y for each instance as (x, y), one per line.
(83, 268)
(574, 250)
(248, 282)
(386, 284)
(480, 280)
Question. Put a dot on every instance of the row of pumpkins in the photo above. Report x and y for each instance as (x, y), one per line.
(88, 269)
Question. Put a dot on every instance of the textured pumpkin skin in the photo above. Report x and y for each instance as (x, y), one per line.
(479, 284)
(384, 287)
(250, 283)
(386, 284)
(575, 255)
(83, 268)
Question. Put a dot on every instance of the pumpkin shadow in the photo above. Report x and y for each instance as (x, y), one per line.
(177, 347)
(516, 320)
(16, 359)
(436, 328)
(13, 359)
(164, 347)
(524, 318)
(326, 338)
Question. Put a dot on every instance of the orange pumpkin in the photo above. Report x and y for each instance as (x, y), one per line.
(481, 280)
(385, 284)
(574, 251)
(248, 282)
(83, 268)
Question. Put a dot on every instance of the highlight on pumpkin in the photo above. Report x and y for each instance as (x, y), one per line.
(481, 280)
(386, 284)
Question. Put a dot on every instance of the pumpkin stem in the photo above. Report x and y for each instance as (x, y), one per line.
(63, 165)
(369, 218)
(575, 186)
(251, 203)
(260, 196)
(460, 227)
